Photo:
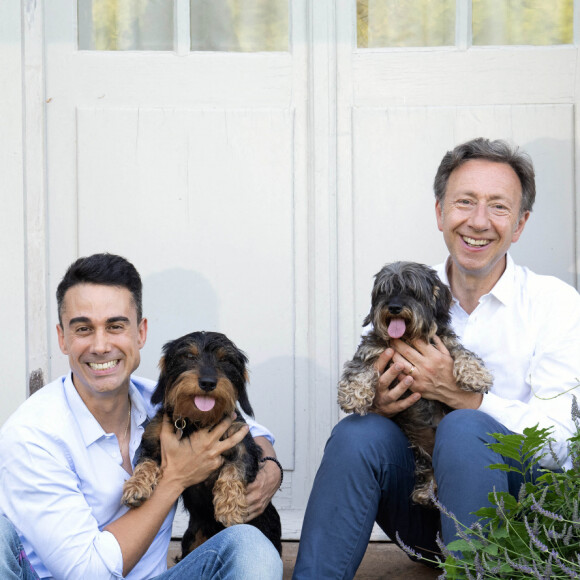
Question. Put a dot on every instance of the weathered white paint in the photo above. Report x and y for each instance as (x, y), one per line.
(35, 193)
(12, 230)
(482, 76)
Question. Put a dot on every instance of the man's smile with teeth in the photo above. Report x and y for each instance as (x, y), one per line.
(103, 366)
(474, 242)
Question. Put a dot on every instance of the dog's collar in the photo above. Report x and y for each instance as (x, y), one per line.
(185, 425)
(180, 423)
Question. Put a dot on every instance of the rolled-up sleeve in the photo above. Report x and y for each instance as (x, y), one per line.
(44, 499)
(257, 430)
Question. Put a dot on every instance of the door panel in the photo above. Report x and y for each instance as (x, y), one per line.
(203, 203)
(192, 165)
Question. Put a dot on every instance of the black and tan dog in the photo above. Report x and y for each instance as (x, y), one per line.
(409, 301)
(203, 375)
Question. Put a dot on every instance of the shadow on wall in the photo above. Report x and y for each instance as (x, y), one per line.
(547, 244)
(175, 302)
(179, 301)
(274, 391)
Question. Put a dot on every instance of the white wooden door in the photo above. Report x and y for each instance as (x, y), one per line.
(193, 166)
(401, 109)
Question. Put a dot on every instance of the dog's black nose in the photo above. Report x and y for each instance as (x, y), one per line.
(207, 383)
(395, 307)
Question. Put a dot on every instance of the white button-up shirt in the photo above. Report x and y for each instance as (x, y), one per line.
(61, 478)
(527, 331)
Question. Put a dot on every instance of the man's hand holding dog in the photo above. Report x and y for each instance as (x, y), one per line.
(191, 460)
(431, 368)
(387, 401)
(267, 482)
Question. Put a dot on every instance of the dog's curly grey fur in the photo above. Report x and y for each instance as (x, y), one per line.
(413, 296)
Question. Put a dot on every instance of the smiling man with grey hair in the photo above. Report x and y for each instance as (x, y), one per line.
(525, 327)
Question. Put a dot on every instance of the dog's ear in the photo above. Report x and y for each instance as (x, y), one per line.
(442, 297)
(378, 289)
(368, 319)
(159, 393)
(243, 399)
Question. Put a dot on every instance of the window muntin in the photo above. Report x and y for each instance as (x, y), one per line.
(426, 23)
(215, 25)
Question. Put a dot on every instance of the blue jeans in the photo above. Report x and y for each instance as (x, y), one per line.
(367, 475)
(14, 564)
(238, 552)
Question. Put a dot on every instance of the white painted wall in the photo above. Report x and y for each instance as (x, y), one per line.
(13, 382)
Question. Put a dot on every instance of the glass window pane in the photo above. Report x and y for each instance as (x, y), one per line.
(239, 25)
(125, 24)
(531, 22)
(390, 23)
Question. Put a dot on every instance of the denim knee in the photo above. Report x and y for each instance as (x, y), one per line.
(8, 535)
(255, 556)
(370, 436)
(464, 426)
(245, 537)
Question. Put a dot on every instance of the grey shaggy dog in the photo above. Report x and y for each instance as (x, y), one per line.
(409, 301)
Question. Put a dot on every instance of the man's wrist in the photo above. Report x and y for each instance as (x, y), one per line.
(276, 462)
(469, 400)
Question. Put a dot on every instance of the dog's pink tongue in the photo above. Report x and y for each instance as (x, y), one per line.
(204, 403)
(396, 328)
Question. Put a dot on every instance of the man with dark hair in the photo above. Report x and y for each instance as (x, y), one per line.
(105, 269)
(524, 326)
(67, 451)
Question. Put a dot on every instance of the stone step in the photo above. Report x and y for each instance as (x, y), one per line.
(383, 560)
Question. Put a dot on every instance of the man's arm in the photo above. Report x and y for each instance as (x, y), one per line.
(43, 497)
(184, 463)
(261, 491)
(539, 394)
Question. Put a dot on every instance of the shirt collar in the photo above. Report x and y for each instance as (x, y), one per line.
(504, 288)
(87, 425)
(138, 411)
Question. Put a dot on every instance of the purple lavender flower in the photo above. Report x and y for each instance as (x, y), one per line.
(407, 549)
(563, 566)
(536, 507)
(534, 538)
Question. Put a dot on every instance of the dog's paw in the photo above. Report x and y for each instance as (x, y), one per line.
(470, 373)
(356, 390)
(140, 486)
(482, 380)
(229, 497)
